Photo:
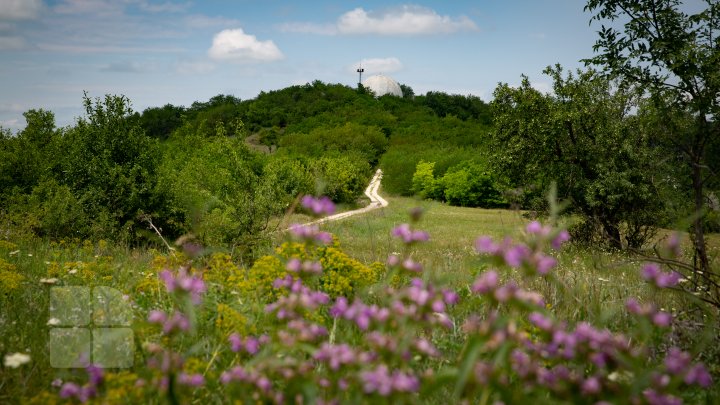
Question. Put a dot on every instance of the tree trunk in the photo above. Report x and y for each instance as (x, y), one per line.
(697, 160)
(698, 228)
(613, 234)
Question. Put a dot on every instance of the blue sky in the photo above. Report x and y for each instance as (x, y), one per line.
(174, 51)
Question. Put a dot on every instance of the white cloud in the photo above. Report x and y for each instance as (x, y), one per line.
(20, 9)
(237, 46)
(378, 65)
(405, 20)
(194, 67)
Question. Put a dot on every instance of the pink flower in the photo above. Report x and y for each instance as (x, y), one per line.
(698, 375)
(591, 386)
(662, 319)
(533, 227)
(318, 206)
(560, 239)
(485, 244)
(192, 380)
(487, 282)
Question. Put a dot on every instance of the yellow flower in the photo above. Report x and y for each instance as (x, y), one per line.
(229, 320)
(9, 280)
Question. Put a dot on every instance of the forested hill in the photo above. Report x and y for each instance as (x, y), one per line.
(189, 169)
(319, 119)
(224, 168)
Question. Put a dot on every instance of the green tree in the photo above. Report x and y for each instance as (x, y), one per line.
(110, 165)
(469, 184)
(216, 188)
(160, 122)
(676, 56)
(29, 156)
(424, 183)
(582, 138)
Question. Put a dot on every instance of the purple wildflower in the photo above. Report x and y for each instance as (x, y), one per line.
(184, 282)
(591, 386)
(560, 239)
(650, 271)
(310, 233)
(192, 380)
(411, 265)
(69, 390)
(544, 263)
(666, 280)
(318, 206)
(662, 319)
(450, 297)
(335, 355)
(541, 321)
(656, 398)
(698, 375)
(156, 316)
(533, 227)
(515, 255)
(487, 282)
(485, 244)
(236, 342)
(95, 374)
(408, 236)
(677, 361)
(673, 244)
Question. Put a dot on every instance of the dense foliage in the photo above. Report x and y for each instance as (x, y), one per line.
(583, 138)
(673, 55)
(222, 169)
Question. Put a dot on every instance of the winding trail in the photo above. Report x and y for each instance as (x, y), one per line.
(371, 192)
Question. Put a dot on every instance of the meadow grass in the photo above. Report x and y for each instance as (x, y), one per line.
(597, 281)
(593, 284)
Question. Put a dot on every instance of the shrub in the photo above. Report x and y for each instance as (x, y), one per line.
(424, 183)
(469, 185)
(342, 178)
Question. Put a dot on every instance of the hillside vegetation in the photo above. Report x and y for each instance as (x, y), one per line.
(550, 248)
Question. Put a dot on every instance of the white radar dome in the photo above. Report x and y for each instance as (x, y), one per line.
(382, 85)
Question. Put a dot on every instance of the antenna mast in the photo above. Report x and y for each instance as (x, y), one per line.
(360, 71)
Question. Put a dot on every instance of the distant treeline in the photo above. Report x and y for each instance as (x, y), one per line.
(224, 168)
(196, 169)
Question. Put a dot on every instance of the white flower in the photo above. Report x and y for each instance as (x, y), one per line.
(73, 271)
(53, 322)
(29, 254)
(48, 280)
(14, 252)
(16, 360)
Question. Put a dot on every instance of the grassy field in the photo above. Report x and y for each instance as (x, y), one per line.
(604, 279)
(593, 284)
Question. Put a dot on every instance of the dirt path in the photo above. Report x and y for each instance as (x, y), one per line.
(371, 192)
